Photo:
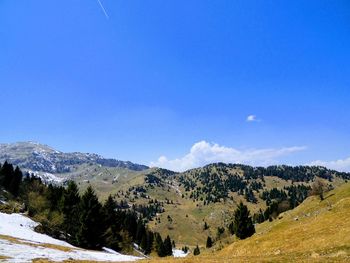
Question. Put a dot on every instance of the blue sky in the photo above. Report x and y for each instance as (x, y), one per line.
(158, 78)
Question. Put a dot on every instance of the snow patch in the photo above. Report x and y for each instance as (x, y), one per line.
(19, 226)
(47, 177)
(22, 228)
(178, 253)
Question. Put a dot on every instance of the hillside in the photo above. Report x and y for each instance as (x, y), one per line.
(184, 202)
(315, 231)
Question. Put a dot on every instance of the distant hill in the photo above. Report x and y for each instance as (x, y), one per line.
(49, 163)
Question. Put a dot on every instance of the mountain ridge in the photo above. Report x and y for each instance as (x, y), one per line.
(39, 157)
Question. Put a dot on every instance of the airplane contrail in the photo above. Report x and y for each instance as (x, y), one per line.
(103, 9)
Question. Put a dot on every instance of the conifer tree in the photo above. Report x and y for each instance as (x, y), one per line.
(196, 251)
(168, 246)
(111, 237)
(90, 230)
(146, 242)
(209, 242)
(243, 225)
(70, 209)
(6, 174)
(159, 245)
(109, 209)
(15, 181)
(55, 195)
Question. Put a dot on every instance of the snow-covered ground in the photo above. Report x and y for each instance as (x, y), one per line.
(19, 226)
(177, 253)
(31, 245)
(48, 178)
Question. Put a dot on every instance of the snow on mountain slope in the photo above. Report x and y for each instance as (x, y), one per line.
(20, 243)
(47, 178)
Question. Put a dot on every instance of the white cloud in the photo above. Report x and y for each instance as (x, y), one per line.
(251, 118)
(339, 165)
(202, 153)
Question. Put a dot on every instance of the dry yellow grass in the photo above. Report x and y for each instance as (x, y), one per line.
(314, 229)
(313, 232)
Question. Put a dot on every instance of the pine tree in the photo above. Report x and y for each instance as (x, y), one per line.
(15, 182)
(146, 242)
(168, 246)
(54, 196)
(90, 230)
(141, 232)
(209, 242)
(70, 209)
(111, 237)
(6, 175)
(159, 245)
(243, 225)
(196, 251)
(109, 210)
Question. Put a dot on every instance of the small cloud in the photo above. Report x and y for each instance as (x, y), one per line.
(203, 153)
(342, 165)
(251, 118)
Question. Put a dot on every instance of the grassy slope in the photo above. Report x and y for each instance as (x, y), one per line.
(316, 231)
(188, 217)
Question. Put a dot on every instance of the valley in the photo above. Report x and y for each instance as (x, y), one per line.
(188, 206)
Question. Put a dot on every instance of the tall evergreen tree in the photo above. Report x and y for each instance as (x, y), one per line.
(6, 174)
(70, 209)
(55, 195)
(90, 230)
(15, 182)
(159, 245)
(243, 225)
(168, 248)
(141, 231)
(111, 236)
(110, 213)
(147, 241)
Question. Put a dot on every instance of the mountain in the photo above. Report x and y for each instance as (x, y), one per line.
(179, 204)
(53, 165)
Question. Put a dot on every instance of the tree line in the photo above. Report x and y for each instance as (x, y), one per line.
(81, 219)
